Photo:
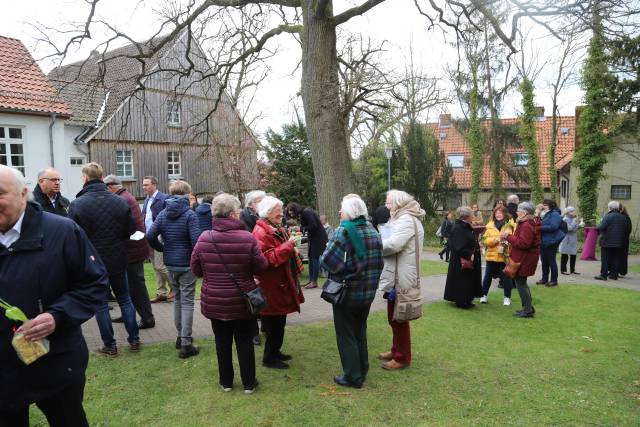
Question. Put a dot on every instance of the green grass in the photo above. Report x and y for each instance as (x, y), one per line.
(576, 363)
(433, 268)
(635, 268)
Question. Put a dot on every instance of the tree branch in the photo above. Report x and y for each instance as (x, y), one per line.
(355, 11)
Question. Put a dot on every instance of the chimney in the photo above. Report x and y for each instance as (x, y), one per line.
(444, 121)
(540, 112)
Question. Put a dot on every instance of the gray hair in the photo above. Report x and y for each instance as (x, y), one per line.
(464, 212)
(224, 205)
(526, 207)
(266, 206)
(569, 209)
(513, 198)
(44, 171)
(353, 206)
(112, 180)
(398, 199)
(18, 179)
(613, 205)
(251, 196)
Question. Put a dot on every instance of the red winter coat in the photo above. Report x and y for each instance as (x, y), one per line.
(220, 298)
(278, 282)
(525, 246)
(137, 250)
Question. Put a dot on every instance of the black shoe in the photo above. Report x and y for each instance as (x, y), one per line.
(341, 380)
(551, 284)
(278, 364)
(178, 343)
(575, 272)
(440, 255)
(565, 273)
(257, 340)
(188, 351)
(284, 357)
(613, 278)
(147, 325)
(117, 320)
(500, 286)
(600, 277)
(523, 314)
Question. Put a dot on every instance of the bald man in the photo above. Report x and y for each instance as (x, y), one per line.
(47, 193)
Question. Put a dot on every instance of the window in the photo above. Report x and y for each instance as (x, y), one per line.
(174, 109)
(174, 168)
(76, 161)
(124, 163)
(620, 192)
(564, 188)
(520, 159)
(443, 136)
(456, 161)
(11, 148)
(564, 131)
(453, 201)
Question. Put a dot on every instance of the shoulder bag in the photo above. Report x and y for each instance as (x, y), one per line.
(511, 269)
(408, 303)
(335, 292)
(254, 299)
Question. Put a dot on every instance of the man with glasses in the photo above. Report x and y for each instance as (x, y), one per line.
(47, 193)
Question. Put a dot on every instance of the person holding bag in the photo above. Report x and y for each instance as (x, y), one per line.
(464, 277)
(401, 274)
(353, 258)
(227, 258)
(497, 253)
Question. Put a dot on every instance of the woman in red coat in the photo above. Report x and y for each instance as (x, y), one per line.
(525, 249)
(279, 282)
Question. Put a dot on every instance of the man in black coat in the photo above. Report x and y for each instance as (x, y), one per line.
(613, 228)
(50, 270)
(310, 224)
(47, 192)
(512, 205)
(108, 222)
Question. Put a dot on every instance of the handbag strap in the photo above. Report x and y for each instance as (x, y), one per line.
(231, 275)
(415, 235)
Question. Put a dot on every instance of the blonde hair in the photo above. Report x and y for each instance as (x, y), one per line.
(93, 171)
(180, 188)
(398, 199)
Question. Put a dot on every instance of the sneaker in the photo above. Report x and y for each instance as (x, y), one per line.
(506, 301)
(188, 351)
(135, 346)
(226, 389)
(257, 340)
(108, 351)
(252, 389)
(483, 299)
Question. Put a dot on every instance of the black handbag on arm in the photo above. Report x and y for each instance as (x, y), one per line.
(254, 299)
(335, 292)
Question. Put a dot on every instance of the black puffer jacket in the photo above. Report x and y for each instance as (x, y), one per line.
(62, 203)
(613, 229)
(108, 222)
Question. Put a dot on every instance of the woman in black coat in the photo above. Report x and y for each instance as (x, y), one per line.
(463, 285)
(623, 267)
(311, 225)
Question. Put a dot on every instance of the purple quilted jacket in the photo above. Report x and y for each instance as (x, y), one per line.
(228, 244)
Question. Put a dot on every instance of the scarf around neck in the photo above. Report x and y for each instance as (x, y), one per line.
(412, 208)
(351, 227)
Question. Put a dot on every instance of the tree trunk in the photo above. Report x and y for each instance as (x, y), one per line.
(553, 172)
(321, 100)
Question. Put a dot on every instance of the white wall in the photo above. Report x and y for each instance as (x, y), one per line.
(71, 174)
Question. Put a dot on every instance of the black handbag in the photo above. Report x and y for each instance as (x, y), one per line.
(333, 292)
(254, 299)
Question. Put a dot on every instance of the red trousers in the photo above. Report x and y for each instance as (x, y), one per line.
(401, 347)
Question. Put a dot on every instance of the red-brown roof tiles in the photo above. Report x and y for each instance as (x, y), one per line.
(23, 85)
(452, 142)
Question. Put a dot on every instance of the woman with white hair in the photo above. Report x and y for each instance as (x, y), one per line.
(401, 272)
(353, 257)
(463, 283)
(249, 216)
(569, 246)
(279, 282)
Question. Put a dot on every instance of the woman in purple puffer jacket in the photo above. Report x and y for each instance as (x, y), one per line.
(227, 258)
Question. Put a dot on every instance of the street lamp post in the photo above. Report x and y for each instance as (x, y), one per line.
(388, 152)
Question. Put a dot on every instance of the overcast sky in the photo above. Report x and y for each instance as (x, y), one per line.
(396, 21)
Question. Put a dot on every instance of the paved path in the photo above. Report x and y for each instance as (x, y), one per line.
(315, 309)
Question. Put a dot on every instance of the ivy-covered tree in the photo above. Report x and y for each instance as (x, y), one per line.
(529, 140)
(290, 174)
(475, 140)
(591, 155)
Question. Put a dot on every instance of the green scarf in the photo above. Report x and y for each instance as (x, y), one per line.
(350, 227)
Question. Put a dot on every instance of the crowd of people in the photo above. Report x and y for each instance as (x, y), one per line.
(60, 273)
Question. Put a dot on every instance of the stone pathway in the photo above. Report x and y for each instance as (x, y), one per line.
(316, 309)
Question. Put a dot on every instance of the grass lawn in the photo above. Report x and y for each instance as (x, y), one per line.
(576, 363)
(635, 268)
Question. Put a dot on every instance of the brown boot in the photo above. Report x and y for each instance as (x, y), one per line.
(386, 356)
(392, 365)
(158, 298)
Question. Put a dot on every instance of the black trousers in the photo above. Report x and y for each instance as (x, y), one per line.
(351, 336)
(609, 262)
(563, 263)
(62, 410)
(274, 328)
(225, 332)
(138, 291)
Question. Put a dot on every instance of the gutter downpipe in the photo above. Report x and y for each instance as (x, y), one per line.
(78, 141)
(53, 121)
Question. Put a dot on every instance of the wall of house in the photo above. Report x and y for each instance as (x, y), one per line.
(71, 170)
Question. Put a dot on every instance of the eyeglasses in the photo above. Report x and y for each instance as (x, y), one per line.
(53, 179)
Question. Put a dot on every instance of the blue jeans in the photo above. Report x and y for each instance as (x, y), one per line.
(493, 269)
(120, 287)
(314, 269)
(548, 260)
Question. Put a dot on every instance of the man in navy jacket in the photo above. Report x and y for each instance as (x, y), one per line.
(153, 205)
(50, 270)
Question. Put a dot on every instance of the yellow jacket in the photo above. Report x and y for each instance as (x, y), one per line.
(491, 233)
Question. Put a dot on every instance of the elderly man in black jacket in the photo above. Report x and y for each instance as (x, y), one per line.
(47, 192)
(108, 222)
(50, 270)
(613, 228)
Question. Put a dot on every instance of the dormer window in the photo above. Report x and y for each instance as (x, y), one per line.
(174, 110)
(520, 159)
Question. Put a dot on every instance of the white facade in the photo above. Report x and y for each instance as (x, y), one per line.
(31, 151)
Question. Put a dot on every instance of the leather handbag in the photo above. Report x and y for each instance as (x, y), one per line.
(334, 292)
(466, 264)
(408, 303)
(511, 269)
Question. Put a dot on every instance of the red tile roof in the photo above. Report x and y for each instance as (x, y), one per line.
(23, 85)
(453, 143)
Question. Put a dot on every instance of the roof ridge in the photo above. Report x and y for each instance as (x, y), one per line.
(10, 38)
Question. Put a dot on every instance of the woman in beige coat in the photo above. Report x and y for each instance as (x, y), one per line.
(401, 273)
